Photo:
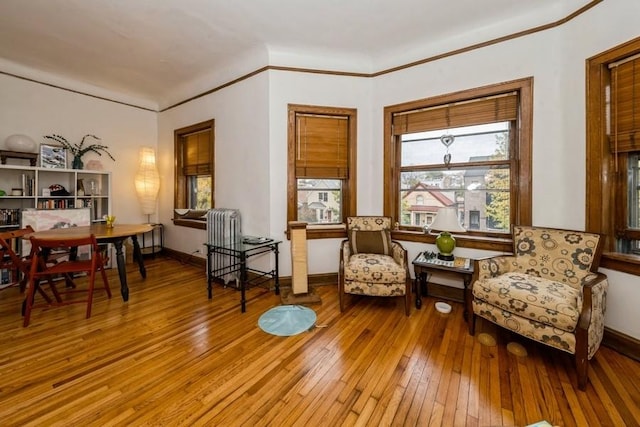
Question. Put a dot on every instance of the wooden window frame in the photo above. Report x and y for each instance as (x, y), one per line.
(605, 188)
(349, 188)
(181, 182)
(521, 172)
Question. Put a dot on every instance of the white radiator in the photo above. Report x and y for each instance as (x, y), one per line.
(224, 229)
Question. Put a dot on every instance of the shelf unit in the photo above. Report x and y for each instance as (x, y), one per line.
(25, 188)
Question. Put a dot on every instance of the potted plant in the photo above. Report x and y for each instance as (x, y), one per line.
(79, 150)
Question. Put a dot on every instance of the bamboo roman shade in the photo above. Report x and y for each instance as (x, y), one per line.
(625, 106)
(493, 109)
(196, 153)
(322, 146)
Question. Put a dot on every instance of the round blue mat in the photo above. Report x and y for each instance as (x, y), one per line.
(287, 320)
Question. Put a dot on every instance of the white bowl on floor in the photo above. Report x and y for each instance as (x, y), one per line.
(443, 307)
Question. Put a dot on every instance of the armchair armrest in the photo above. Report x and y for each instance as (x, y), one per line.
(345, 251)
(594, 287)
(399, 253)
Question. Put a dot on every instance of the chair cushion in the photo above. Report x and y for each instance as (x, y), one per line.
(546, 301)
(374, 268)
(371, 242)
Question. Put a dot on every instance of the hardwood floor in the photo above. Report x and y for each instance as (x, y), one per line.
(170, 356)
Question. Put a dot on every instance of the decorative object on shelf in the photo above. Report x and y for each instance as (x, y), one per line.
(92, 188)
(147, 181)
(31, 157)
(446, 222)
(53, 156)
(93, 165)
(21, 144)
(58, 190)
(80, 187)
(79, 150)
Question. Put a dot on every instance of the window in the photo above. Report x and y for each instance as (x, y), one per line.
(613, 154)
(194, 166)
(322, 174)
(469, 149)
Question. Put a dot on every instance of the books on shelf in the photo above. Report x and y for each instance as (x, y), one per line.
(10, 217)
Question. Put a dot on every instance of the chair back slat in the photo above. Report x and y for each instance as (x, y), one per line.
(9, 258)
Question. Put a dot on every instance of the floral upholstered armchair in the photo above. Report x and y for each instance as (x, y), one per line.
(371, 263)
(548, 290)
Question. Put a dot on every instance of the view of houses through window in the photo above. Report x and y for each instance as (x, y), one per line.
(476, 180)
(319, 201)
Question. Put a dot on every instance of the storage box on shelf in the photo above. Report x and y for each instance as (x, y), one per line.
(27, 187)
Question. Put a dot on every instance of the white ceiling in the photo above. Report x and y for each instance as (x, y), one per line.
(155, 53)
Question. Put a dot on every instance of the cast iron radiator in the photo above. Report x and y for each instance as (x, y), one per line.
(224, 230)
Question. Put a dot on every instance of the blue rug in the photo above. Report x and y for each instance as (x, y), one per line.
(287, 320)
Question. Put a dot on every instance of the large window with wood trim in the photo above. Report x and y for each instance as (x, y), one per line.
(321, 167)
(613, 154)
(469, 150)
(194, 173)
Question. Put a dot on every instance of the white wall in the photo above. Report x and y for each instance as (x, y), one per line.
(36, 110)
(242, 152)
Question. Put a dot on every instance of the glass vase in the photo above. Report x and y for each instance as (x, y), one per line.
(77, 163)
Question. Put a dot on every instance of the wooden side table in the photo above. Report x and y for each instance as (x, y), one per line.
(423, 266)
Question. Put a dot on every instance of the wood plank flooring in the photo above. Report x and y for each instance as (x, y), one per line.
(171, 357)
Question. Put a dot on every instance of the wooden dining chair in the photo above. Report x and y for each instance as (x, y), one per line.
(66, 268)
(16, 267)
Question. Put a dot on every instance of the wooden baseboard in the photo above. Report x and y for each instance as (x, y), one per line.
(622, 343)
(186, 258)
(314, 279)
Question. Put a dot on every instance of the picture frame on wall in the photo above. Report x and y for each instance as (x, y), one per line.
(53, 156)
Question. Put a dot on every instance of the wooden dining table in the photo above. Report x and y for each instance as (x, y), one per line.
(116, 235)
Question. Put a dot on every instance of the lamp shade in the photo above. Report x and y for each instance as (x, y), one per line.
(446, 222)
(147, 180)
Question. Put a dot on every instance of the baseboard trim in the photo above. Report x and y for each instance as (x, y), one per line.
(314, 279)
(186, 258)
(622, 343)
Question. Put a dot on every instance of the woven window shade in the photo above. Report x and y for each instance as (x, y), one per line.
(625, 107)
(493, 109)
(196, 154)
(321, 146)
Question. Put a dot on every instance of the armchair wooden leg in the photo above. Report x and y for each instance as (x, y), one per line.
(582, 369)
(582, 356)
(407, 301)
(472, 323)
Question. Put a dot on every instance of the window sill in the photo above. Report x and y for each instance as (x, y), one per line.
(191, 223)
(469, 241)
(337, 231)
(625, 263)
